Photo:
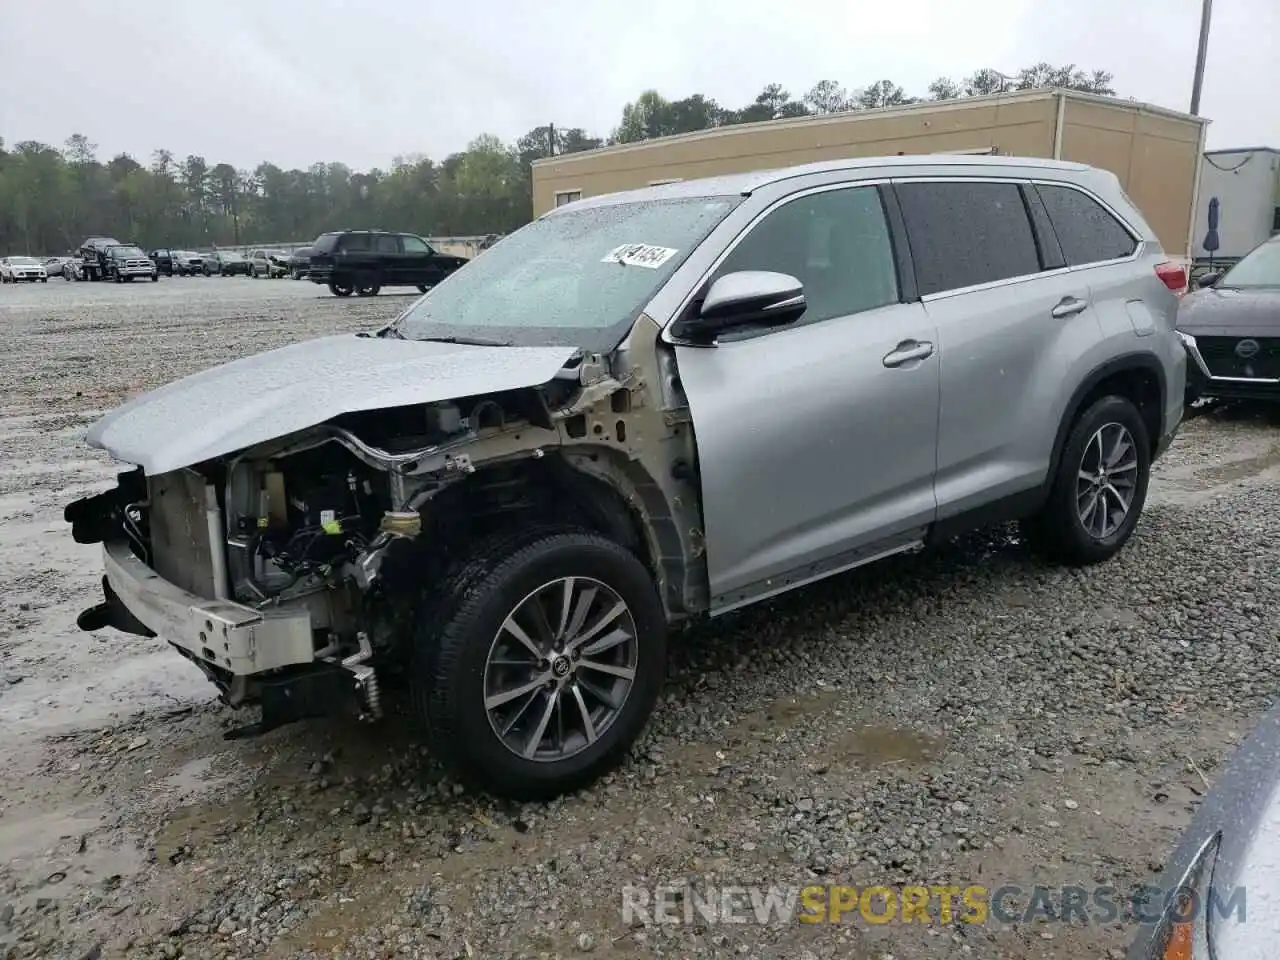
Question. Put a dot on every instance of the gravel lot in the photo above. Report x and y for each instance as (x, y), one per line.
(966, 716)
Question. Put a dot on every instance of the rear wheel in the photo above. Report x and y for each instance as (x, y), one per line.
(340, 289)
(368, 290)
(538, 661)
(423, 288)
(1099, 489)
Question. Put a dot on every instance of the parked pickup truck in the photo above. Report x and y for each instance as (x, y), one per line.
(126, 263)
(639, 409)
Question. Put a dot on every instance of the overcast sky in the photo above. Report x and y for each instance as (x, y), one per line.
(296, 81)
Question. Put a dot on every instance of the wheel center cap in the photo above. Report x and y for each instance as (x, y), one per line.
(560, 667)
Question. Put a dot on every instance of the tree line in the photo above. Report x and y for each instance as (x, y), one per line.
(51, 197)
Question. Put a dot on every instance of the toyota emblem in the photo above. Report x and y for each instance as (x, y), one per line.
(1247, 349)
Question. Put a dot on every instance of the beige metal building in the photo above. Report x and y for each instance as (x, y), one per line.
(1155, 152)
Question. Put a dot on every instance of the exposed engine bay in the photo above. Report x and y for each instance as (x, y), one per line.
(303, 560)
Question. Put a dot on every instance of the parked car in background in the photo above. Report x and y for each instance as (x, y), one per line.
(268, 263)
(188, 263)
(365, 261)
(22, 269)
(1214, 890)
(53, 266)
(507, 494)
(1230, 326)
(226, 263)
(126, 263)
(163, 259)
(73, 269)
(300, 263)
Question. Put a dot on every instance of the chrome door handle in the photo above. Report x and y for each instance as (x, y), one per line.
(1069, 307)
(907, 351)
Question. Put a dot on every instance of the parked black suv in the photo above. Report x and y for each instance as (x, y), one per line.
(365, 261)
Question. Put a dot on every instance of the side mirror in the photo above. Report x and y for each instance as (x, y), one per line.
(743, 299)
(1208, 279)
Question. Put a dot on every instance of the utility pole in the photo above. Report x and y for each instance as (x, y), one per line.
(1201, 51)
(551, 139)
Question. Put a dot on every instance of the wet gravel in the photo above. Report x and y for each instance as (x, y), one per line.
(967, 716)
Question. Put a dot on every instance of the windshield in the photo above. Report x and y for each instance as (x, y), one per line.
(577, 278)
(24, 261)
(230, 256)
(126, 252)
(1259, 268)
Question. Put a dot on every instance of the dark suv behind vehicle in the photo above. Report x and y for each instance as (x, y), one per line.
(365, 261)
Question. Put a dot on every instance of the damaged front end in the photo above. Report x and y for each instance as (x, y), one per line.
(291, 572)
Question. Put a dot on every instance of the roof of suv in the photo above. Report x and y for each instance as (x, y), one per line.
(745, 183)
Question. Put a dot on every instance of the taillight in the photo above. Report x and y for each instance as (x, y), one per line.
(1174, 276)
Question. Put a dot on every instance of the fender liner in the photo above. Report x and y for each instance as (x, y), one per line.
(1125, 363)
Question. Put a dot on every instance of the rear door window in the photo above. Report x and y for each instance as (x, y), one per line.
(1087, 232)
(386, 244)
(964, 233)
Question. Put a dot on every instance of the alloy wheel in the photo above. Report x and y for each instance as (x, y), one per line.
(560, 669)
(1106, 480)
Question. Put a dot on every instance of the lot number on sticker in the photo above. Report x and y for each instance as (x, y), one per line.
(639, 255)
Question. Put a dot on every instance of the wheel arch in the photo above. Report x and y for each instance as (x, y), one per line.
(594, 487)
(1139, 377)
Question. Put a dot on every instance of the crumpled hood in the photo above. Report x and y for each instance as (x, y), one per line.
(273, 394)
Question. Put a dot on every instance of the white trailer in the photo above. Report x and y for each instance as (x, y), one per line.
(1246, 183)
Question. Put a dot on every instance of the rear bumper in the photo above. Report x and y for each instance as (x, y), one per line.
(233, 638)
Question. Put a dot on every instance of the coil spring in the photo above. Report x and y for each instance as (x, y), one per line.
(373, 695)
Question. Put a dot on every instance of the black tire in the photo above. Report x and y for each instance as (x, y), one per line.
(423, 288)
(460, 619)
(368, 290)
(119, 279)
(44, 279)
(155, 278)
(340, 289)
(1057, 531)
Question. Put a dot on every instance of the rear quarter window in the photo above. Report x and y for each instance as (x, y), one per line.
(964, 233)
(1087, 232)
(356, 243)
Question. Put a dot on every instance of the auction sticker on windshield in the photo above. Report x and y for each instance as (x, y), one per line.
(639, 255)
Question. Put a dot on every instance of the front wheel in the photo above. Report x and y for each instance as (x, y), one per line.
(1099, 488)
(44, 279)
(538, 662)
(341, 289)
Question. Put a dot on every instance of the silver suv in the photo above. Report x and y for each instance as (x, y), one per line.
(638, 409)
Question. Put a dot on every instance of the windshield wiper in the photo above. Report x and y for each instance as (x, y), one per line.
(470, 341)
